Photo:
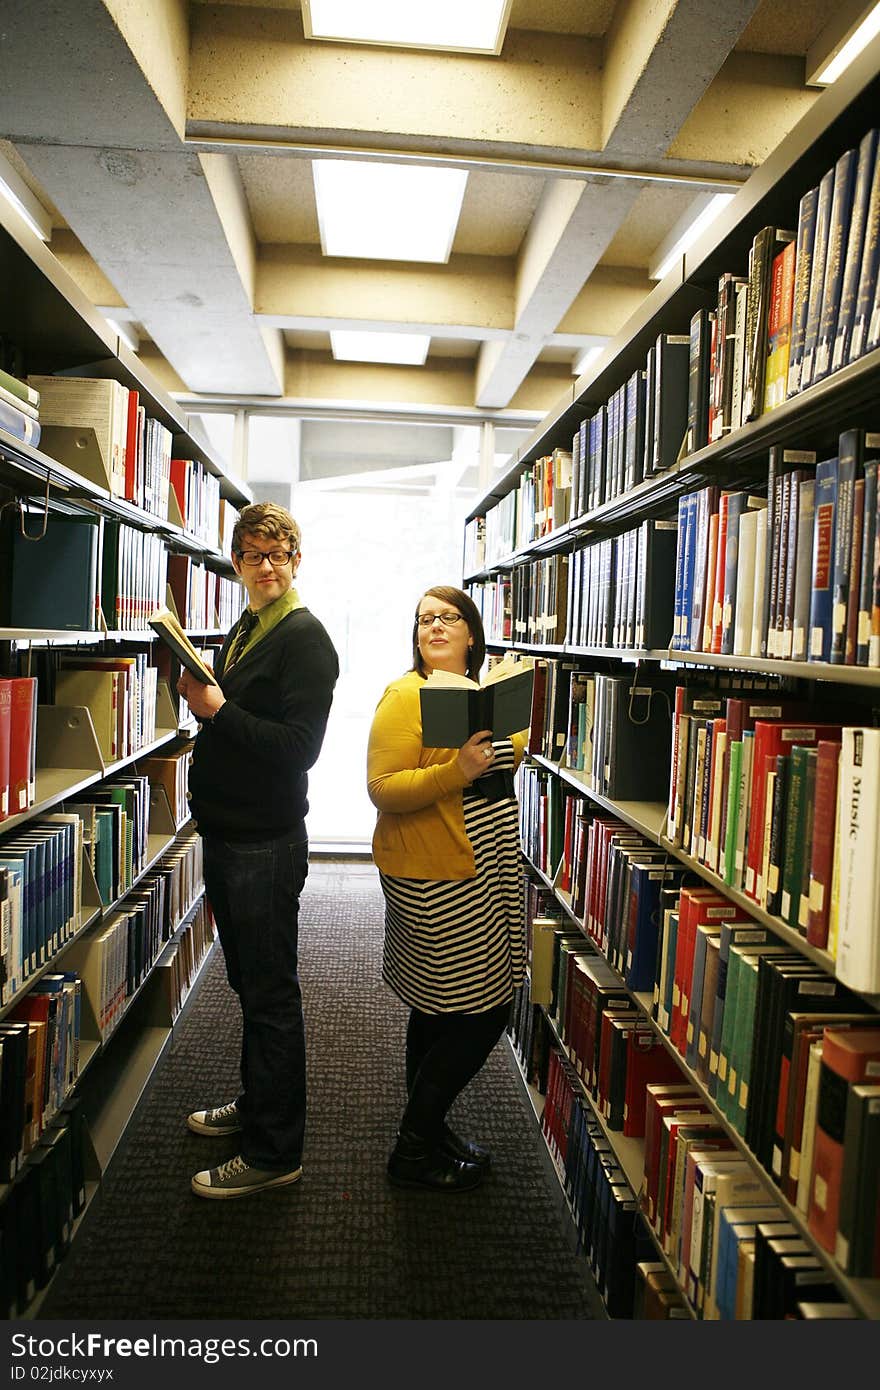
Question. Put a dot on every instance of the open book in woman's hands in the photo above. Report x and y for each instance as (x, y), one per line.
(455, 707)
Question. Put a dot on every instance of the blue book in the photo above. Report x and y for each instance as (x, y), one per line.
(838, 230)
(14, 945)
(817, 279)
(21, 860)
(692, 1043)
(824, 525)
(849, 462)
(855, 243)
(803, 262)
(676, 642)
(646, 881)
(866, 587)
(867, 280)
(635, 430)
(687, 578)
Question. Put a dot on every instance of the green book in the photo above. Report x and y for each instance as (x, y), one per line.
(723, 1097)
(798, 840)
(743, 1038)
(104, 854)
(733, 805)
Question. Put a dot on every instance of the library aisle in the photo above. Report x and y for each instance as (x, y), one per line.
(342, 1243)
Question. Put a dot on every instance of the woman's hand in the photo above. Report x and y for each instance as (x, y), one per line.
(477, 755)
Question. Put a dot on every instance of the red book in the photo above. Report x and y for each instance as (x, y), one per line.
(567, 835)
(822, 852)
(5, 724)
(132, 492)
(178, 477)
(847, 1056)
(647, 1062)
(539, 699)
(708, 1131)
(704, 639)
(22, 744)
(610, 1016)
(695, 905)
(773, 737)
(677, 1097)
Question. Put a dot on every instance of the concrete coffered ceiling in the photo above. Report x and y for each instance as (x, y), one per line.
(172, 143)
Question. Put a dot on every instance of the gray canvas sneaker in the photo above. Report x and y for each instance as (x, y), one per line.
(224, 1120)
(237, 1178)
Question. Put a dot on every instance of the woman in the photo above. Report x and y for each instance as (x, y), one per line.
(447, 848)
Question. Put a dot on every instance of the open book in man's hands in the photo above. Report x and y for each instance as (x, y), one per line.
(163, 621)
(455, 707)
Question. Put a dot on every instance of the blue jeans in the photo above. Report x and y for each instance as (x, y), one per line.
(254, 892)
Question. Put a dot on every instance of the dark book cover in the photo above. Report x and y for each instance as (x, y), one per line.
(866, 567)
(867, 279)
(839, 230)
(698, 380)
(817, 279)
(849, 462)
(855, 242)
(766, 246)
(670, 389)
(824, 530)
(806, 231)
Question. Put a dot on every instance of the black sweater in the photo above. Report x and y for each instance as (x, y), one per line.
(247, 778)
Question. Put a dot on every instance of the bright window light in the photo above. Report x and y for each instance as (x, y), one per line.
(475, 26)
(392, 212)
(409, 349)
(858, 39)
(713, 207)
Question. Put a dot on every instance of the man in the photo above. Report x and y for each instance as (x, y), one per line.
(262, 728)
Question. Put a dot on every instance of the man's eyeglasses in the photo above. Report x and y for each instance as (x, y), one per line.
(426, 620)
(256, 557)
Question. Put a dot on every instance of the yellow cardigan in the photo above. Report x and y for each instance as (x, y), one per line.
(420, 829)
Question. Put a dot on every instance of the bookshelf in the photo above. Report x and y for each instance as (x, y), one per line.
(57, 331)
(812, 419)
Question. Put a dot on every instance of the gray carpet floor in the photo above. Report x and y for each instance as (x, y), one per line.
(342, 1243)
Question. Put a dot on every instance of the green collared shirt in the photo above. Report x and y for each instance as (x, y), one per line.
(270, 617)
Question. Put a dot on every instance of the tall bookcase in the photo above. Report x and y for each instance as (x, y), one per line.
(57, 330)
(810, 420)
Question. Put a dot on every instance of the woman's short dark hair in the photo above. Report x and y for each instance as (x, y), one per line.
(463, 604)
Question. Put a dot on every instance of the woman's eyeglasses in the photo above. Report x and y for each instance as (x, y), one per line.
(256, 557)
(426, 620)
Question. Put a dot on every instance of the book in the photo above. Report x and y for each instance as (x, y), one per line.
(855, 243)
(822, 567)
(848, 1056)
(769, 242)
(857, 1243)
(867, 277)
(806, 231)
(839, 230)
(817, 278)
(858, 930)
(455, 707)
(54, 582)
(163, 622)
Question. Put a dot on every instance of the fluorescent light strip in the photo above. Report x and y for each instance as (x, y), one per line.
(389, 212)
(406, 349)
(470, 25)
(20, 197)
(858, 39)
(712, 209)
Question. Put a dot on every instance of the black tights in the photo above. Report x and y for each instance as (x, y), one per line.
(443, 1053)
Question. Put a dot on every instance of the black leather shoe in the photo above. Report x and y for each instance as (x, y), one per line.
(415, 1162)
(464, 1149)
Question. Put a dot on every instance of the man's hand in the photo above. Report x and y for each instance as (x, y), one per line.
(203, 700)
